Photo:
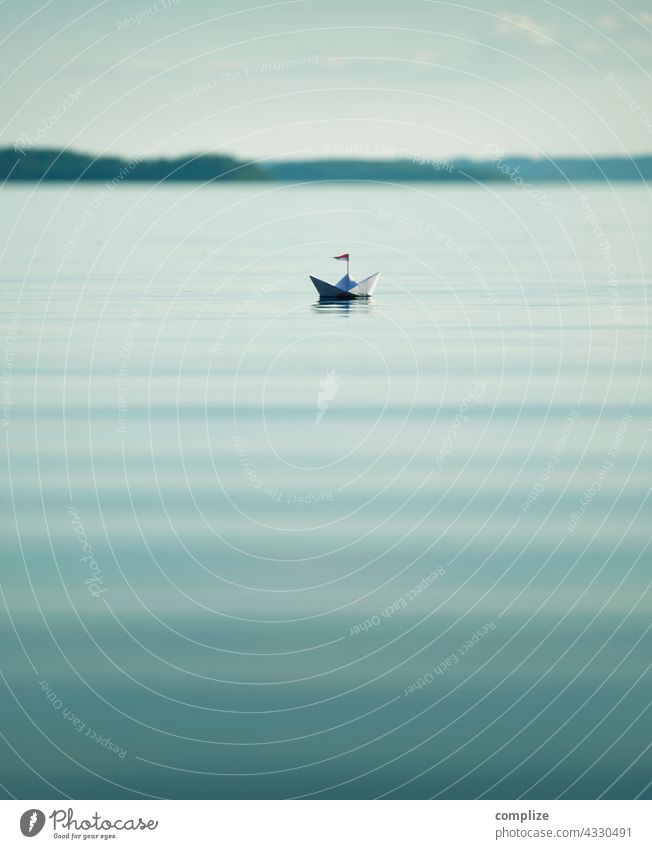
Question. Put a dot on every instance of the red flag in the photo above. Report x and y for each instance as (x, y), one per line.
(345, 257)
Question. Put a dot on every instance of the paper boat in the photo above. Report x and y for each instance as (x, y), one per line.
(346, 288)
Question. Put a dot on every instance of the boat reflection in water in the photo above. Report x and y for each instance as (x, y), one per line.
(342, 306)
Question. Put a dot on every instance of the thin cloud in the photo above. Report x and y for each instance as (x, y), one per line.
(590, 47)
(509, 23)
(608, 23)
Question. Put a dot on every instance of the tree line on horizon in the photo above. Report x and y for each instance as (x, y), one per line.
(51, 165)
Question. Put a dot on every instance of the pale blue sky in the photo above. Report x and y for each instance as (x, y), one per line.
(358, 78)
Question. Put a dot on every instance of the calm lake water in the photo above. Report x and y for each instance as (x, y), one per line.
(255, 546)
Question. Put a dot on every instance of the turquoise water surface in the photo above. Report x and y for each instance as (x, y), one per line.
(258, 546)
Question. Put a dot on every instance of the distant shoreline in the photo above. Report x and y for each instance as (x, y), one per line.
(35, 165)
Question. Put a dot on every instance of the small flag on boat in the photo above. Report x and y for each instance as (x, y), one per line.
(345, 257)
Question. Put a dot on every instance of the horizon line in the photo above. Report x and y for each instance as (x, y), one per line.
(334, 156)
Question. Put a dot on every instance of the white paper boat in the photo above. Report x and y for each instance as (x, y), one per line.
(346, 288)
